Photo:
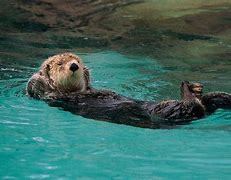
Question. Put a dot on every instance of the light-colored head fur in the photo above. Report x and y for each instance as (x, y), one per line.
(58, 69)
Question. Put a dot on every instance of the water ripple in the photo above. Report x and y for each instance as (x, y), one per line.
(11, 122)
(39, 139)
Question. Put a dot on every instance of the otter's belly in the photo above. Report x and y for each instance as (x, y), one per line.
(107, 106)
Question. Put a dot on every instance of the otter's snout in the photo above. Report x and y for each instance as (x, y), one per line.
(74, 67)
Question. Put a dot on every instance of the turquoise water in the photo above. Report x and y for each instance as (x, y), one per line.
(42, 142)
(141, 50)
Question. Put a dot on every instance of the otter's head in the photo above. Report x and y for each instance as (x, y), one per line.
(65, 71)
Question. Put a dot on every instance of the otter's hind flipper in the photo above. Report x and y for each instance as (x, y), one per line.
(214, 100)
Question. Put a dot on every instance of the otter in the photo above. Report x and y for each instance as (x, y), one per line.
(62, 84)
(62, 73)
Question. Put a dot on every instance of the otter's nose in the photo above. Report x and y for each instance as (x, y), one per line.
(74, 67)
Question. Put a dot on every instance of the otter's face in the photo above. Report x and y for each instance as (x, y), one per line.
(66, 71)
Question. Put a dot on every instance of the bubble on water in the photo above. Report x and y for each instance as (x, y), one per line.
(39, 176)
(39, 139)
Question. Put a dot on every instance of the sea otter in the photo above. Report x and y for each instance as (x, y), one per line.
(63, 81)
(59, 74)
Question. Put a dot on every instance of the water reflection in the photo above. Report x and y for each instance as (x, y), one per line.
(190, 39)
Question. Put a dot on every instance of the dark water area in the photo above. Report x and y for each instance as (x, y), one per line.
(191, 40)
(141, 49)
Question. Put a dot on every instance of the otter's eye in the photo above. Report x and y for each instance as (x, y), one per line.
(60, 64)
(48, 67)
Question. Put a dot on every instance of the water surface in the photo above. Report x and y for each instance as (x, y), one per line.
(39, 142)
(146, 60)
